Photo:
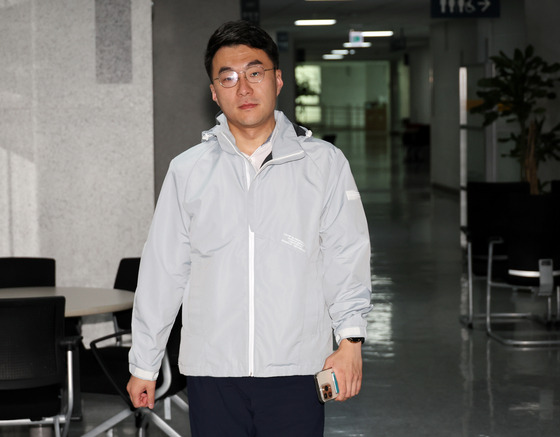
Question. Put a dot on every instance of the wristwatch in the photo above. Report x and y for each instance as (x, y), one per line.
(356, 339)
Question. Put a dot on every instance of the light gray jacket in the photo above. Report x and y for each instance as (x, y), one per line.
(266, 264)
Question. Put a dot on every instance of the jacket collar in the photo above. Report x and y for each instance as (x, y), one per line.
(286, 142)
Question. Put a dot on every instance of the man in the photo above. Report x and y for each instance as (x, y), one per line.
(260, 234)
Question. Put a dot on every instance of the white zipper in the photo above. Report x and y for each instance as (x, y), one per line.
(251, 261)
(251, 302)
(251, 273)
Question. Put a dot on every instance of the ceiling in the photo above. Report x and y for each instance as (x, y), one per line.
(406, 18)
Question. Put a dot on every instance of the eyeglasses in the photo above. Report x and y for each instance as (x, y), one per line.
(254, 74)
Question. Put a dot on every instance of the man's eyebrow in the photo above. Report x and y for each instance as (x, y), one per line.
(255, 62)
(249, 64)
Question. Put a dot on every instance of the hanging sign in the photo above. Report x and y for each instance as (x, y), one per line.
(465, 8)
(356, 37)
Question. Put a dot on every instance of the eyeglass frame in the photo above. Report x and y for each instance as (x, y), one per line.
(238, 73)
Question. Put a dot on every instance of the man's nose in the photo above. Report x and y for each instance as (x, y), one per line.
(243, 85)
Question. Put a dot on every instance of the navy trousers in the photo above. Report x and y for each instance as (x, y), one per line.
(255, 407)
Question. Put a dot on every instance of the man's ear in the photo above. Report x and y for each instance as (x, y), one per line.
(214, 96)
(279, 81)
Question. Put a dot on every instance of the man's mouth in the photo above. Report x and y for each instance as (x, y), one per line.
(245, 106)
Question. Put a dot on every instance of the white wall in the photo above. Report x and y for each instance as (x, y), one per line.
(444, 156)
(76, 141)
(353, 84)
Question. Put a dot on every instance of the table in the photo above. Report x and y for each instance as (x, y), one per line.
(80, 301)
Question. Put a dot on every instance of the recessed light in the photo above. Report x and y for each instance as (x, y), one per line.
(356, 45)
(331, 57)
(340, 52)
(377, 33)
(326, 22)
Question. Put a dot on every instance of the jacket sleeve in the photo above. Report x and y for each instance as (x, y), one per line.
(346, 252)
(163, 276)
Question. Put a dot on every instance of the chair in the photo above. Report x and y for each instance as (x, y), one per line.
(533, 263)
(487, 217)
(36, 386)
(27, 272)
(415, 137)
(112, 361)
(40, 272)
(126, 279)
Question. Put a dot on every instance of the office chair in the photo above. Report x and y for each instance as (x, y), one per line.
(126, 279)
(487, 218)
(36, 385)
(533, 263)
(113, 363)
(27, 272)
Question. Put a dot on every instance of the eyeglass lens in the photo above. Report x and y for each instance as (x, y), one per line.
(230, 78)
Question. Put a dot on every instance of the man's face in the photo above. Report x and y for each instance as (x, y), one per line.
(246, 105)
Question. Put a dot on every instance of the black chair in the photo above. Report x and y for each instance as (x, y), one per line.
(36, 386)
(415, 137)
(487, 218)
(126, 279)
(105, 370)
(27, 272)
(533, 263)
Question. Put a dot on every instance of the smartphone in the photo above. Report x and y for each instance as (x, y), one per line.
(327, 386)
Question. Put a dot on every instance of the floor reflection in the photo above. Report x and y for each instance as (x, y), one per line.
(424, 373)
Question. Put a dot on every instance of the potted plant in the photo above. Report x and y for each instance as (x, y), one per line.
(516, 92)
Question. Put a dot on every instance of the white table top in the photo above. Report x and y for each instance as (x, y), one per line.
(80, 301)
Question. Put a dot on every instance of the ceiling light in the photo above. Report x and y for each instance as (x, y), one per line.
(328, 22)
(356, 45)
(377, 33)
(331, 57)
(340, 52)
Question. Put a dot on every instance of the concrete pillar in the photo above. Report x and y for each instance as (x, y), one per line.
(76, 155)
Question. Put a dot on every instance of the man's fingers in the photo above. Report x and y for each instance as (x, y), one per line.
(150, 399)
(141, 392)
(349, 386)
(142, 401)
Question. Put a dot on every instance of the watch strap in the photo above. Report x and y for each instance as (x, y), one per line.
(356, 339)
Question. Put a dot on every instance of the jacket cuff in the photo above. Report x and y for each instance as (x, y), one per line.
(354, 331)
(143, 374)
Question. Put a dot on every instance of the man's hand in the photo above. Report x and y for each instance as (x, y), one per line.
(142, 392)
(346, 362)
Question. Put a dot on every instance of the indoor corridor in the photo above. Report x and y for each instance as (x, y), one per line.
(424, 373)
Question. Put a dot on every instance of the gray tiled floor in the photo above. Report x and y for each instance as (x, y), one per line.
(424, 373)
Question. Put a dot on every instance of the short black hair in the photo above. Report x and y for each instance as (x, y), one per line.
(234, 33)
